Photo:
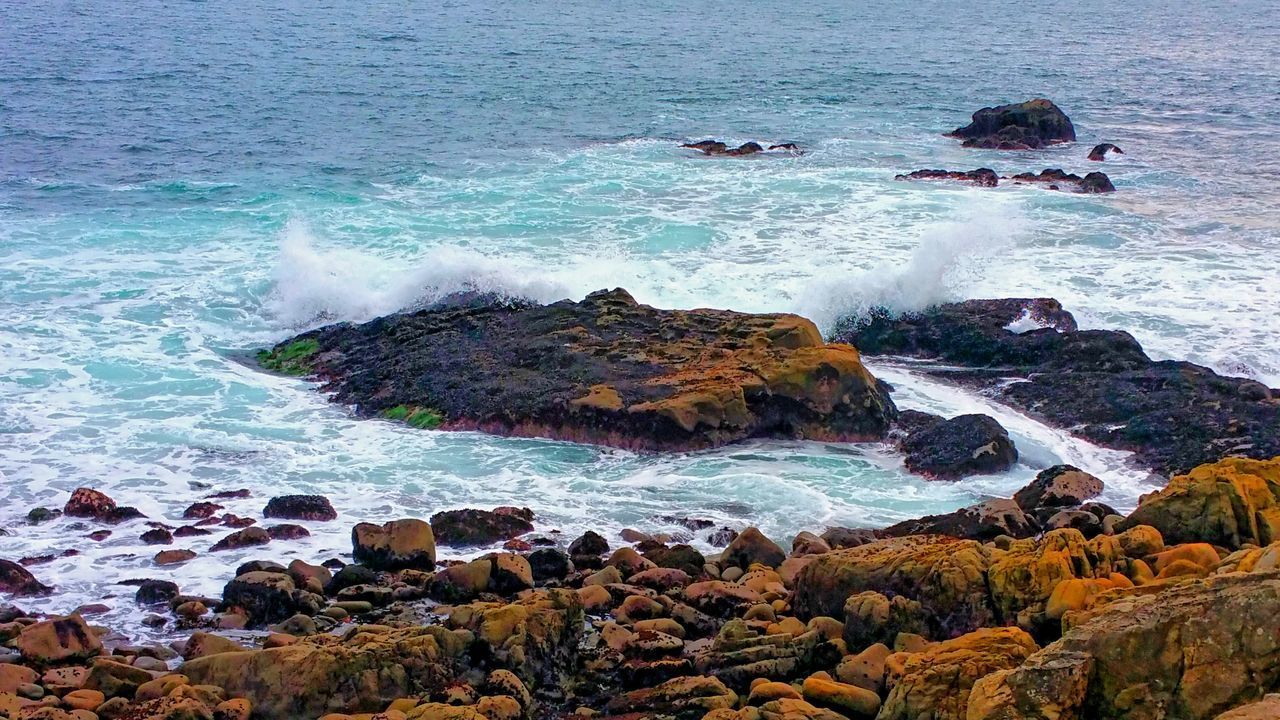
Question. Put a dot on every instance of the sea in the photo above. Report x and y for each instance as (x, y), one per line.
(183, 182)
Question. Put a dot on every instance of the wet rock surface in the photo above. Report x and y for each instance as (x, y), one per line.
(1099, 383)
(605, 370)
(1029, 125)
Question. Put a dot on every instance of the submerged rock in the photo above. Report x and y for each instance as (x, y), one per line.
(984, 177)
(1028, 125)
(1058, 179)
(88, 503)
(605, 370)
(1099, 152)
(1099, 383)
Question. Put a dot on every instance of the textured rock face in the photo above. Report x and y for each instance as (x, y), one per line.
(983, 177)
(87, 503)
(394, 545)
(958, 447)
(1172, 415)
(945, 575)
(1227, 503)
(467, 527)
(1020, 126)
(1190, 652)
(58, 641)
(1059, 179)
(536, 638)
(1057, 487)
(300, 507)
(936, 683)
(982, 522)
(19, 582)
(604, 370)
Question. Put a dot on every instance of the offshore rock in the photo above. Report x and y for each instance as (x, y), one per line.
(961, 446)
(1172, 415)
(1099, 151)
(605, 370)
(983, 522)
(1058, 179)
(468, 527)
(87, 503)
(19, 582)
(1028, 125)
(1228, 503)
(983, 177)
(1192, 651)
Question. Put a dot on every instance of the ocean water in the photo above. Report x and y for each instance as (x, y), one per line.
(184, 181)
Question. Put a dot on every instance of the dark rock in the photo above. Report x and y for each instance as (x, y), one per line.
(606, 370)
(549, 564)
(87, 503)
(42, 515)
(1099, 152)
(300, 507)
(231, 495)
(680, 557)
(984, 521)
(235, 521)
(591, 543)
(1084, 521)
(984, 177)
(722, 537)
(710, 147)
(959, 447)
(1058, 486)
(287, 531)
(15, 580)
(265, 597)
(839, 538)
(462, 528)
(1021, 126)
(350, 576)
(158, 536)
(746, 148)
(156, 592)
(1057, 179)
(99, 535)
(687, 523)
(790, 147)
(190, 531)
(396, 545)
(1096, 182)
(248, 537)
(751, 546)
(1099, 383)
(201, 510)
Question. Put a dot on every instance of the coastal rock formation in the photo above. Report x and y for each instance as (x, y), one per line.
(958, 447)
(1099, 152)
(1192, 651)
(1028, 125)
(1172, 415)
(470, 527)
(1230, 503)
(300, 507)
(1058, 179)
(716, 147)
(983, 177)
(936, 683)
(394, 545)
(605, 370)
(17, 581)
(88, 503)
(984, 521)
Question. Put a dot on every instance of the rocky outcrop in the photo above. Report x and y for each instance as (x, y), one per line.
(1099, 383)
(983, 522)
(936, 683)
(95, 505)
(1192, 651)
(983, 177)
(394, 545)
(961, 446)
(1028, 125)
(1229, 503)
(462, 528)
(605, 370)
(1099, 152)
(717, 147)
(58, 641)
(17, 581)
(1060, 486)
(300, 507)
(1058, 179)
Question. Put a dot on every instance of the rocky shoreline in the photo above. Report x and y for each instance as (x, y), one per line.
(1012, 609)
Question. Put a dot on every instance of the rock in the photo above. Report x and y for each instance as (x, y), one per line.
(738, 655)
(173, 557)
(682, 557)
(872, 618)
(549, 564)
(628, 561)
(1190, 651)
(709, 147)
(959, 447)
(462, 528)
(842, 538)
(686, 698)
(287, 531)
(362, 673)
(591, 543)
(157, 536)
(1268, 708)
(983, 177)
(791, 148)
(17, 581)
(806, 543)
(87, 503)
(983, 522)
(1058, 486)
(300, 507)
(866, 669)
(746, 148)
(1099, 383)
(350, 576)
(240, 539)
(849, 700)
(605, 370)
(936, 683)
(945, 575)
(13, 677)
(58, 641)
(201, 510)
(156, 592)
(395, 545)
(461, 582)
(1096, 182)
(751, 546)
(1059, 179)
(40, 515)
(1099, 152)
(511, 573)
(535, 637)
(722, 537)
(1028, 125)
(1082, 520)
(1228, 503)
(265, 597)
(190, 531)
(1023, 578)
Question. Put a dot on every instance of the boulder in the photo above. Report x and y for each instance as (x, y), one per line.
(1228, 503)
(983, 522)
(936, 683)
(1099, 151)
(462, 528)
(1029, 125)
(739, 655)
(240, 539)
(1022, 579)
(982, 177)
(751, 546)
(300, 507)
(549, 564)
(536, 637)
(1192, 651)
(17, 581)
(945, 575)
(959, 447)
(156, 592)
(606, 370)
(1098, 383)
(58, 641)
(680, 557)
(87, 503)
(1268, 708)
(395, 545)
(1058, 486)
(686, 698)
(265, 597)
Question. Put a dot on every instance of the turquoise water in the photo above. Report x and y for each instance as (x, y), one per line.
(181, 182)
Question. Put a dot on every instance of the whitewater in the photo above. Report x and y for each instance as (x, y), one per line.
(151, 238)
